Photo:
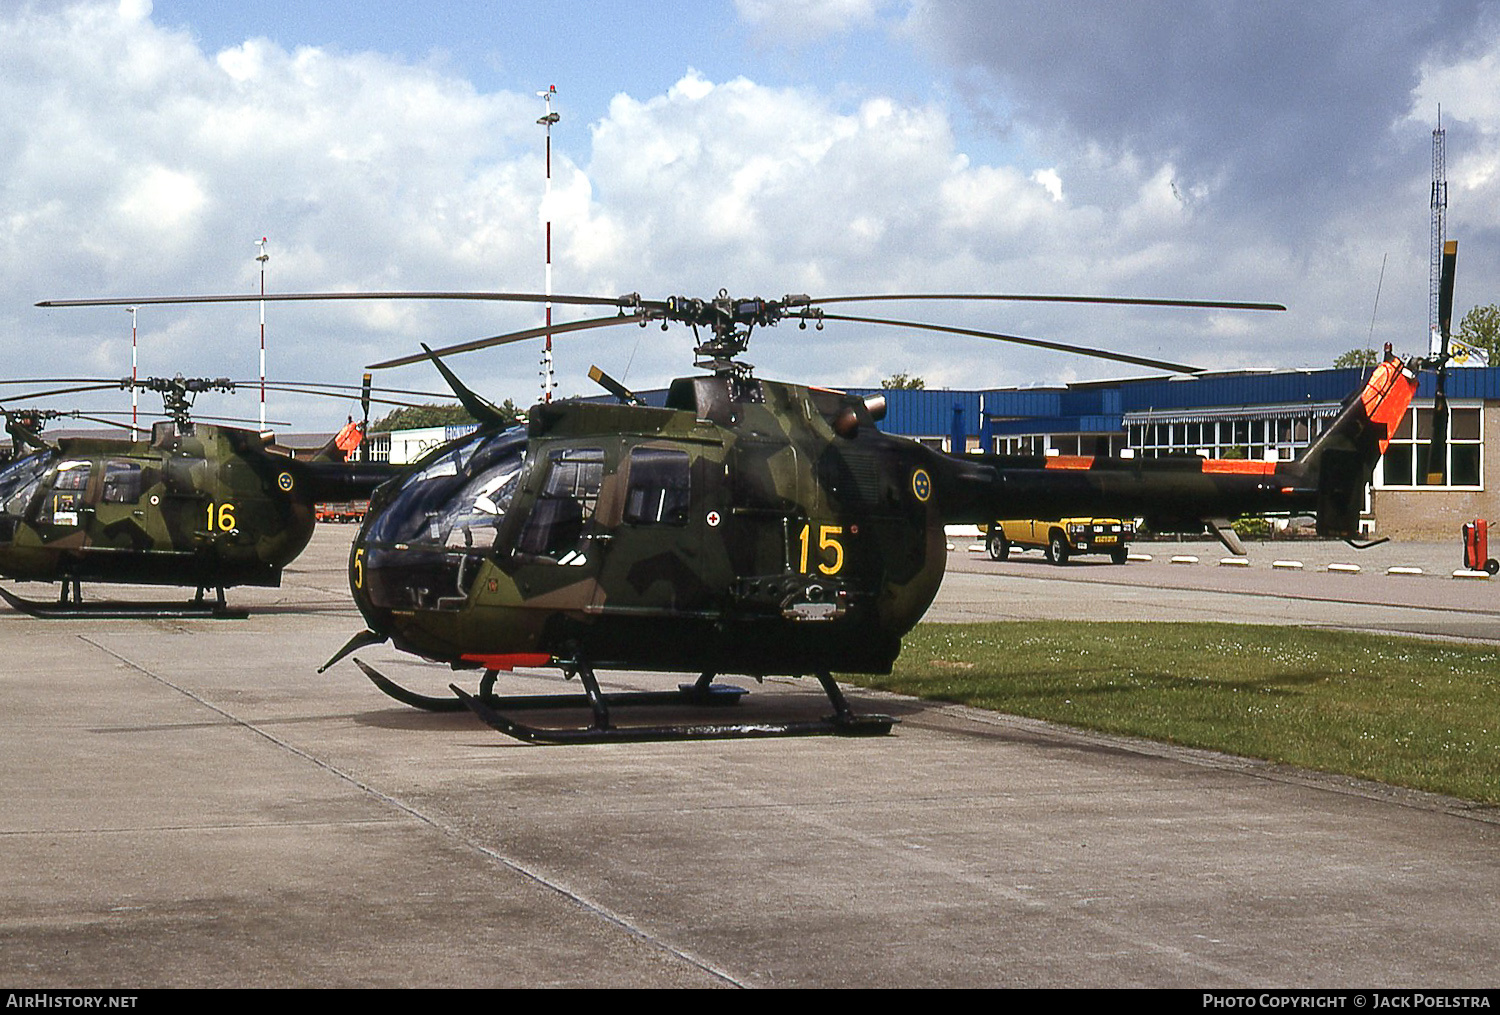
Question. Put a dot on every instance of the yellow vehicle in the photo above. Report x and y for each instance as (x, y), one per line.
(1063, 537)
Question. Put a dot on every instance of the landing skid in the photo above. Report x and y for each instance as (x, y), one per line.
(491, 709)
(75, 608)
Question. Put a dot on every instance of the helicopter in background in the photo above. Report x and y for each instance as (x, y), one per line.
(195, 504)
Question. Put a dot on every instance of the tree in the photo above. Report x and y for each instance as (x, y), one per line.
(414, 417)
(903, 382)
(1481, 328)
(1358, 358)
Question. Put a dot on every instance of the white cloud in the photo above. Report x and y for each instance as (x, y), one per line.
(810, 18)
(1050, 181)
(136, 163)
(1466, 92)
(159, 202)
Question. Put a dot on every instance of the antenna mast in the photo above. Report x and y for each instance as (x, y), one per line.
(133, 404)
(547, 121)
(1439, 233)
(263, 257)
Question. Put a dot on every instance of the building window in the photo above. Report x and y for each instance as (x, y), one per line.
(1408, 459)
(1261, 439)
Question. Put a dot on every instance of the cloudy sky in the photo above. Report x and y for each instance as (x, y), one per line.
(1256, 151)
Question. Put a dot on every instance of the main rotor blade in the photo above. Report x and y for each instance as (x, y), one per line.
(107, 422)
(115, 385)
(61, 380)
(345, 397)
(329, 388)
(1120, 357)
(1124, 301)
(517, 336)
(600, 301)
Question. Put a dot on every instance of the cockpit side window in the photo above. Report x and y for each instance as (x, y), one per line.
(660, 490)
(569, 497)
(68, 486)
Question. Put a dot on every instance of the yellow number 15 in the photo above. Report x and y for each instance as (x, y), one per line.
(828, 540)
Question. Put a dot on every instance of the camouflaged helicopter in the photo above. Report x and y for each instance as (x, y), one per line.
(195, 504)
(749, 526)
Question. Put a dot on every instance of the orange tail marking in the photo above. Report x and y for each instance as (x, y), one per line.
(1239, 466)
(349, 438)
(1387, 395)
(1070, 462)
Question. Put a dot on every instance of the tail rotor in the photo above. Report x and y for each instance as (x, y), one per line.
(1437, 462)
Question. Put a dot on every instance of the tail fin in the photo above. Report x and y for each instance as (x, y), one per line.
(1340, 462)
(342, 445)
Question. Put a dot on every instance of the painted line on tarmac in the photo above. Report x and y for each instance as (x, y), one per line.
(536, 877)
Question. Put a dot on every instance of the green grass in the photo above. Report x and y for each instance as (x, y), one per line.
(1404, 711)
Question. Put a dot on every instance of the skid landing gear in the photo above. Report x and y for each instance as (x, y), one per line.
(70, 604)
(492, 710)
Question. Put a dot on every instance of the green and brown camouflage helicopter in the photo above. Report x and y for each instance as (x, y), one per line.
(749, 526)
(196, 505)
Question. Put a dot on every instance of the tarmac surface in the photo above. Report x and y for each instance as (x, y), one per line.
(188, 803)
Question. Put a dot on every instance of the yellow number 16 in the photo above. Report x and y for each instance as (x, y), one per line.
(221, 520)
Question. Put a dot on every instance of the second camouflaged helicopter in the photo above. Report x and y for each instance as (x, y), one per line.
(196, 504)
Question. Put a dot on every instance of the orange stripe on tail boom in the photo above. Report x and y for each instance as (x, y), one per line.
(1239, 466)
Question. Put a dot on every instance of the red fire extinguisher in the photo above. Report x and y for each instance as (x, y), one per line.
(1477, 547)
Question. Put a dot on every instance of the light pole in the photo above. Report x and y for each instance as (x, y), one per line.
(133, 378)
(547, 121)
(263, 257)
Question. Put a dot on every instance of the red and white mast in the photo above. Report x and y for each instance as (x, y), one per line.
(263, 257)
(547, 121)
(133, 377)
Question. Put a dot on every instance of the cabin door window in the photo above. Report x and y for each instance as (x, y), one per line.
(122, 483)
(660, 491)
(559, 520)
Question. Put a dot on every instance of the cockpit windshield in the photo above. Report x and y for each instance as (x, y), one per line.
(19, 480)
(455, 500)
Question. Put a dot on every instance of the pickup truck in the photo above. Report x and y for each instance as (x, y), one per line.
(1062, 538)
(341, 511)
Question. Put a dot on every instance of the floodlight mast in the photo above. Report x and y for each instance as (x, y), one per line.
(547, 121)
(134, 435)
(262, 257)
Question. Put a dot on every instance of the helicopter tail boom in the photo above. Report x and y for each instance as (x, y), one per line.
(1328, 479)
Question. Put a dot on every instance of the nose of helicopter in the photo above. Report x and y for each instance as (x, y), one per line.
(426, 535)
